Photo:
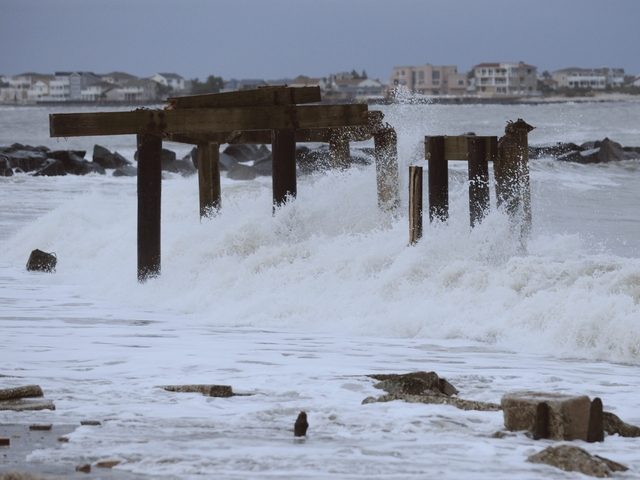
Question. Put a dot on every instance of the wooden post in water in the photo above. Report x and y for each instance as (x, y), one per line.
(386, 154)
(478, 179)
(511, 172)
(283, 149)
(339, 150)
(415, 204)
(209, 178)
(149, 199)
(438, 179)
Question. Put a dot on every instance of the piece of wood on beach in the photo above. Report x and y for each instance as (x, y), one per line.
(206, 120)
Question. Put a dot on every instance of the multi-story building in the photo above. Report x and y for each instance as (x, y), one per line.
(139, 90)
(173, 80)
(430, 79)
(118, 78)
(514, 79)
(592, 78)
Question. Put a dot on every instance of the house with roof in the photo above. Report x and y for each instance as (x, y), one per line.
(591, 78)
(142, 90)
(117, 78)
(508, 79)
(173, 80)
(430, 79)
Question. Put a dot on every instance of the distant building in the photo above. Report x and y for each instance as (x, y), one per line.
(117, 78)
(142, 90)
(303, 81)
(514, 79)
(592, 78)
(173, 80)
(96, 91)
(430, 79)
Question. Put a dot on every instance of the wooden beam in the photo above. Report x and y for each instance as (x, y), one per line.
(283, 147)
(149, 201)
(259, 97)
(455, 147)
(206, 120)
(209, 178)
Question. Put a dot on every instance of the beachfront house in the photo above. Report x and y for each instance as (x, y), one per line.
(505, 79)
(118, 78)
(591, 78)
(142, 90)
(172, 80)
(430, 79)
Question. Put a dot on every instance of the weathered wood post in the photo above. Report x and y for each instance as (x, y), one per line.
(478, 179)
(386, 153)
(438, 179)
(209, 178)
(415, 204)
(283, 149)
(149, 200)
(511, 172)
(339, 150)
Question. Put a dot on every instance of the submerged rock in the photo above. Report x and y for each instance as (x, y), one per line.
(574, 459)
(301, 425)
(51, 168)
(42, 261)
(126, 171)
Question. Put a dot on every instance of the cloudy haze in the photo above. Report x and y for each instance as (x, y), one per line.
(285, 38)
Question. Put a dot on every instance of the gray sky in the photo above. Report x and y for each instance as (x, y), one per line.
(272, 39)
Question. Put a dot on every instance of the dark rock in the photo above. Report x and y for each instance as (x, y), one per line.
(242, 172)
(227, 162)
(264, 165)
(193, 154)
(76, 165)
(183, 167)
(5, 167)
(554, 150)
(243, 152)
(414, 383)
(612, 425)
(584, 156)
(103, 157)
(632, 152)
(611, 151)
(86, 468)
(67, 155)
(91, 423)
(168, 157)
(209, 390)
(27, 160)
(574, 459)
(126, 171)
(51, 168)
(301, 425)
(42, 261)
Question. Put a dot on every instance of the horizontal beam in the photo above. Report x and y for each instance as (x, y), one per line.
(259, 97)
(455, 147)
(206, 120)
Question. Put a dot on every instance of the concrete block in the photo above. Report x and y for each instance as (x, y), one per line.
(568, 416)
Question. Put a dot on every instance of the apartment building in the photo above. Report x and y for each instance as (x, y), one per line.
(430, 79)
(592, 78)
(496, 79)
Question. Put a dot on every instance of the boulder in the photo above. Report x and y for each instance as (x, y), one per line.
(5, 167)
(125, 171)
(167, 158)
(42, 261)
(301, 425)
(76, 165)
(67, 155)
(227, 162)
(556, 150)
(242, 172)
(208, 390)
(264, 165)
(103, 157)
(27, 160)
(414, 383)
(574, 459)
(244, 152)
(51, 168)
(613, 425)
(611, 151)
(183, 167)
(309, 161)
(567, 416)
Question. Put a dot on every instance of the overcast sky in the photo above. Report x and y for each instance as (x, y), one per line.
(272, 39)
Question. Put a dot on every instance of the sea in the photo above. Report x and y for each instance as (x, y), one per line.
(295, 309)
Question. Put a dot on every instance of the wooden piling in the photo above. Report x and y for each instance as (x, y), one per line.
(339, 150)
(209, 178)
(511, 172)
(283, 149)
(415, 204)
(478, 179)
(438, 179)
(149, 199)
(386, 155)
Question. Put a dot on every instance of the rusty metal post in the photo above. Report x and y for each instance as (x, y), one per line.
(209, 178)
(511, 172)
(283, 149)
(415, 204)
(149, 201)
(438, 179)
(478, 179)
(386, 154)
